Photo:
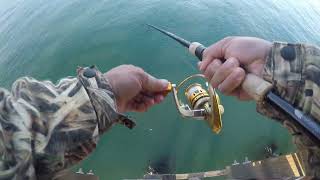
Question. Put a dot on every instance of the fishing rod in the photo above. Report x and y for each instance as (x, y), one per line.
(258, 89)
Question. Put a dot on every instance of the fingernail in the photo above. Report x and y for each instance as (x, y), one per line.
(200, 68)
(152, 102)
(164, 83)
(161, 98)
(199, 65)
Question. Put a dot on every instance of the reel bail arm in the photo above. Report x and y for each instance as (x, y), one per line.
(204, 104)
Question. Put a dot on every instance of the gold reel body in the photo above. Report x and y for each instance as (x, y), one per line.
(205, 104)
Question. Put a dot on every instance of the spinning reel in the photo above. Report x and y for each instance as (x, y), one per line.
(203, 104)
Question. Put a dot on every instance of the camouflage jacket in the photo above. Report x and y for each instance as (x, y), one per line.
(294, 70)
(46, 128)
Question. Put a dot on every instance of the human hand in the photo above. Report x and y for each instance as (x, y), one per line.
(135, 90)
(226, 63)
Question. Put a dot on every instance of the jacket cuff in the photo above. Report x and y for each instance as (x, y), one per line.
(102, 98)
(284, 69)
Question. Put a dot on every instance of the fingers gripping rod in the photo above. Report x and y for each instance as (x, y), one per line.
(258, 89)
(251, 80)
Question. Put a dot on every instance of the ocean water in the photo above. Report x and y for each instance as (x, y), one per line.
(50, 39)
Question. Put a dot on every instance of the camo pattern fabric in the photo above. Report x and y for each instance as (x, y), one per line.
(294, 71)
(47, 128)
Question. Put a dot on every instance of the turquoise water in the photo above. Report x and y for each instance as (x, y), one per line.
(49, 39)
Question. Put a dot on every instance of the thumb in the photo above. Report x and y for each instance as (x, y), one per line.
(153, 84)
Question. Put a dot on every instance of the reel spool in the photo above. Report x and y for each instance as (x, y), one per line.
(205, 104)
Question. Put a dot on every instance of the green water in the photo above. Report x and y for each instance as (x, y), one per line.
(49, 39)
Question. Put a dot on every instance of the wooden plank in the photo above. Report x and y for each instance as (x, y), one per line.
(188, 175)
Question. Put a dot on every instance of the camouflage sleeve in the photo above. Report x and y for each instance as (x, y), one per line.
(47, 128)
(294, 71)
